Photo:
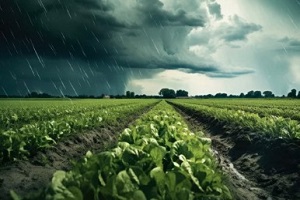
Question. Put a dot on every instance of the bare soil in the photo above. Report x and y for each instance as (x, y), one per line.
(32, 175)
(257, 166)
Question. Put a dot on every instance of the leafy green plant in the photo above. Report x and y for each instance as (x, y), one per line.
(275, 126)
(21, 142)
(156, 158)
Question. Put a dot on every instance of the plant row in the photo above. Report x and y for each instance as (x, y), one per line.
(262, 111)
(156, 158)
(25, 141)
(271, 125)
(15, 114)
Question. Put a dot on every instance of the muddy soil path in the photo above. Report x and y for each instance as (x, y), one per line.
(30, 176)
(257, 166)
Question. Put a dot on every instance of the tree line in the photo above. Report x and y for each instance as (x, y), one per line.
(251, 94)
(163, 93)
(170, 93)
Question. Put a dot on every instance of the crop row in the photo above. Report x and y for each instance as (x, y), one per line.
(157, 158)
(24, 141)
(13, 114)
(270, 125)
(262, 111)
(261, 103)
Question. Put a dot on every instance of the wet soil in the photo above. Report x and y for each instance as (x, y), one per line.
(257, 166)
(32, 175)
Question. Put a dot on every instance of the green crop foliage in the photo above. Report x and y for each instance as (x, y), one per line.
(264, 108)
(24, 140)
(271, 125)
(156, 158)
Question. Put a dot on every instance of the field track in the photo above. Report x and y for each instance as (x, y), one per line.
(257, 163)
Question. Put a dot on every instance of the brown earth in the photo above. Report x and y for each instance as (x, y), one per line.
(256, 166)
(32, 175)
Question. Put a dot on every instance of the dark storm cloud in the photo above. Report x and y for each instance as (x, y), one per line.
(84, 29)
(215, 10)
(156, 15)
(238, 30)
(290, 44)
(56, 28)
(90, 46)
(60, 77)
(228, 74)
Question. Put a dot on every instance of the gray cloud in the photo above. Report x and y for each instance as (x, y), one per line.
(290, 44)
(215, 10)
(228, 74)
(108, 41)
(153, 13)
(226, 32)
(238, 29)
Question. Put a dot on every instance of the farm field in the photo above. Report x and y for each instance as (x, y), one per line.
(150, 149)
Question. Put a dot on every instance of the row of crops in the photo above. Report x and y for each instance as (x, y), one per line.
(29, 126)
(15, 113)
(271, 123)
(283, 108)
(156, 158)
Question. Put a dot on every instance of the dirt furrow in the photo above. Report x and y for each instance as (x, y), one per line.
(32, 175)
(257, 166)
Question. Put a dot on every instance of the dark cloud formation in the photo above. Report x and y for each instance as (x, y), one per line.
(96, 46)
(57, 28)
(84, 29)
(232, 74)
(238, 30)
(290, 44)
(152, 13)
(215, 9)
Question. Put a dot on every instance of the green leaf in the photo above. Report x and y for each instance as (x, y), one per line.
(14, 195)
(124, 183)
(57, 179)
(138, 195)
(157, 154)
(159, 176)
(133, 176)
(76, 193)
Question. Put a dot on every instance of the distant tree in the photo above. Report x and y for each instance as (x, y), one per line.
(298, 96)
(221, 95)
(268, 94)
(131, 94)
(33, 95)
(250, 94)
(167, 93)
(292, 93)
(257, 94)
(118, 96)
(38, 95)
(182, 93)
(128, 94)
(242, 95)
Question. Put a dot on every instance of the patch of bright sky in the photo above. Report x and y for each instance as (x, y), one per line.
(195, 84)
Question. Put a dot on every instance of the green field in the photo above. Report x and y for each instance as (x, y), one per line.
(156, 156)
(279, 118)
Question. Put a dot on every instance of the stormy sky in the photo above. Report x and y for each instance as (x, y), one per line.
(108, 46)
